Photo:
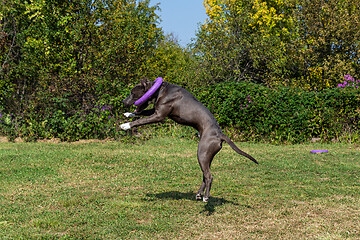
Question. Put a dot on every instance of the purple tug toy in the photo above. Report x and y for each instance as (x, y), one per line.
(149, 93)
(319, 151)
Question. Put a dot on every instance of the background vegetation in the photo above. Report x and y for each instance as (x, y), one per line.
(269, 70)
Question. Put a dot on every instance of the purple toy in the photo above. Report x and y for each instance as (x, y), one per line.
(149, 93)
(319, 151)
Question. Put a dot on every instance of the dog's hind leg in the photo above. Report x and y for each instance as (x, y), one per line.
(200, 193)
(207, 149)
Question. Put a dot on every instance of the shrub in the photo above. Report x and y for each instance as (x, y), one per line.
(246, 111)
(251, 112)
(98, 122)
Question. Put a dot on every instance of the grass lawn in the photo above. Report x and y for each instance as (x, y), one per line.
(147, 191)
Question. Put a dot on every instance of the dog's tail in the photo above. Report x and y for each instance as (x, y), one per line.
(236, 149)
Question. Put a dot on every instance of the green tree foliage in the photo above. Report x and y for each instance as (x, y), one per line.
(311, 44)
(174, 62)
(327, 47)
(130, 35)
(78, 50)
(244, 40)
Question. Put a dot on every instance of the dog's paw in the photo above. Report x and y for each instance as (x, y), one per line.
(198, 197)
(205, 199)
(125, 126)
(129, 115)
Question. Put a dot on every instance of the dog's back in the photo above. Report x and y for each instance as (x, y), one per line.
(188, 110)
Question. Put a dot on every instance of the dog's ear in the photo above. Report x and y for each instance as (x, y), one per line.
(145, 83)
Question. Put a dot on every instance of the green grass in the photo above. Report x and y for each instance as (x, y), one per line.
(147, 191)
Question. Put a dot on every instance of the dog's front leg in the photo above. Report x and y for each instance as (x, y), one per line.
(154, 118)
(129, 114)
(143, 113)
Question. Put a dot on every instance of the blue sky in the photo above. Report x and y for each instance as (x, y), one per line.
(181, 17)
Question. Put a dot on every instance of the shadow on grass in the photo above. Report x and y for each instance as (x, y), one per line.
(209, 207)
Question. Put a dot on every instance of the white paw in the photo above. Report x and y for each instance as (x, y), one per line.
(205, 199)
(129, 115)
(125, 126)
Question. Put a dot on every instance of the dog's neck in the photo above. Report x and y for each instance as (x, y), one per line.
(155, 96)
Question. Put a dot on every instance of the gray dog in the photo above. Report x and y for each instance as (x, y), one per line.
(181, 106)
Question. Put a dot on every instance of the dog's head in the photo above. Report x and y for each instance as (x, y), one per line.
(136, 93)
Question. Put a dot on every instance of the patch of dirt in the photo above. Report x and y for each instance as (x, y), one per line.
(54, 140)
(5, 139)
(94, 141)
(57, 140)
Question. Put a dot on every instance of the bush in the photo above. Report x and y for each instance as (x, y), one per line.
(251, 112)
(246, 111)
(60, 119)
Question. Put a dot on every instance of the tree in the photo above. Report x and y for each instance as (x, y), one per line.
(12, 14)
(311, 44)
(327, 47)
(173, 62)
(130, 35)
(77, 50)
(244, 40)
